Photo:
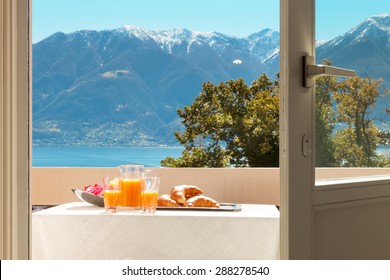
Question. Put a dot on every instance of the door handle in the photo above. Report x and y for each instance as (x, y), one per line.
(312, 70)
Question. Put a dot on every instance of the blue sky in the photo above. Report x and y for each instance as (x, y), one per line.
(234, 17)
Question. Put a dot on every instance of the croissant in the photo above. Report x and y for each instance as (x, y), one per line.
(184, 192)
(201, 201)
(166, 200)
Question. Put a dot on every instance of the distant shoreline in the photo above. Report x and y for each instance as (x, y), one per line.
(105, 146)
(100, 156)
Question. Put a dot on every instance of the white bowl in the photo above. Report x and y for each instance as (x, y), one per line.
(90, 198)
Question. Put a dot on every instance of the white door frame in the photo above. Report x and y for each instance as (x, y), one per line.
(15, 116)
(301, 202)
(15, 123)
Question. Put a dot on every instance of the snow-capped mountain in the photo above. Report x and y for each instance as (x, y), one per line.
(91, 86)
(260, 45)
(374, 27)
(365, 48)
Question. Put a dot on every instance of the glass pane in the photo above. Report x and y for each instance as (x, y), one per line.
(108, 78)
(353, 114)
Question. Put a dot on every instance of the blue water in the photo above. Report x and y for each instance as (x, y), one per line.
(101, 156)
(110, 156)
(383, 150)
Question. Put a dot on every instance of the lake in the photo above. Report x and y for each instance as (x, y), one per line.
(82, 156)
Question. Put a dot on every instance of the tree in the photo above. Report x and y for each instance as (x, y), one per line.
(325, 119)
(356, 145)
(384, 137)
(235, 124)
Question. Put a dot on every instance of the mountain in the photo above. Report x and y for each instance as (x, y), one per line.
(366, 49)
(123, 86)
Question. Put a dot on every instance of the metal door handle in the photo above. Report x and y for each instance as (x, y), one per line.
(312, 70)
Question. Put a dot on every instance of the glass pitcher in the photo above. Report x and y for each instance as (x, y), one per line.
(132, 180)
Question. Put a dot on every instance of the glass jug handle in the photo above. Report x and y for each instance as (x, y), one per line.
(149, 173)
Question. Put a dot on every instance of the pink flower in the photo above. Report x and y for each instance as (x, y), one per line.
(95, 189)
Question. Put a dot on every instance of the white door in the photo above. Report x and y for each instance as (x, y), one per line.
(297, 170)
(333, 219)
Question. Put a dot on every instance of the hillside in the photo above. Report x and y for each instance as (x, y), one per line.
(123, 86)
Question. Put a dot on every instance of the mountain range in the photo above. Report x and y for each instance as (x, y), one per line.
(123, 86)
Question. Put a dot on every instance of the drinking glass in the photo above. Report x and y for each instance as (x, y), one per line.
(111, 194)
(149, 194)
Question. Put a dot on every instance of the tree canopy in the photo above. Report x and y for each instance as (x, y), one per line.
(348, 104)
(231, 124)
(356, 144)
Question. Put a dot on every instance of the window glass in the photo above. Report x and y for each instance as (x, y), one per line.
(353, 113)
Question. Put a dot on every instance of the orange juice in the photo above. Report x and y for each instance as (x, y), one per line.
(110, 198)
(149, 199)
(130, 194)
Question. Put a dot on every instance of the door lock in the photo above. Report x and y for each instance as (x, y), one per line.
(306, 145)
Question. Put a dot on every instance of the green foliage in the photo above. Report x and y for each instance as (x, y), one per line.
(325, 118)
(199, 157)
(356, 145)
(231, 124)
(384, 137)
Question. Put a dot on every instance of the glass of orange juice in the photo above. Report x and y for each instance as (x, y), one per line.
(111, 195)
(149, 194)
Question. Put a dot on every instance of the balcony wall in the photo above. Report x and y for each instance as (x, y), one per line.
(52, 186)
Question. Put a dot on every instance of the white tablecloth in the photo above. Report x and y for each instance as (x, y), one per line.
(80, 231)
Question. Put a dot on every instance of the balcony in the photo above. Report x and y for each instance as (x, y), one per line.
(214, 235)
(254, 188)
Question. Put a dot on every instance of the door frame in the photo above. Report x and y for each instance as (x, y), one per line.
(15, 130)
(296, 183)
(300, 198)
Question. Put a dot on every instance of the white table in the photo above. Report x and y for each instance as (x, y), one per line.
(81, 231)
